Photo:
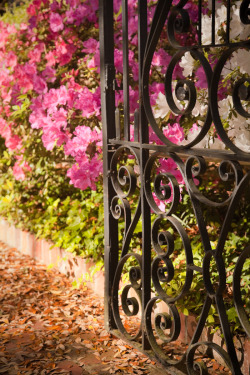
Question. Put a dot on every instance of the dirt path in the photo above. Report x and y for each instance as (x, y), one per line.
(47, 327)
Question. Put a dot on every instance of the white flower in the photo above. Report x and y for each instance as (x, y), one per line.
(193, 133)
(199, 109)
(224, 107)
(161, 109)
(239, 60)
(242, 140)
(239, 132)
(236, 27)
(187, 64)
(221, 15)
(206, 27)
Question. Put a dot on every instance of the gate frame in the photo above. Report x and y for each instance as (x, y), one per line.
(141, 143)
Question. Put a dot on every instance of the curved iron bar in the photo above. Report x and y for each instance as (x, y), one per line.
(119, 180)
(162, 185)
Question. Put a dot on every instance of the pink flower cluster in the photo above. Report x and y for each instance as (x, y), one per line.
(50, 113)
(12, 141)
(21, 167)
(29, 69)
(53, 62)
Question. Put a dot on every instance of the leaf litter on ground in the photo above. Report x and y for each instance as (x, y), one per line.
(49, 327)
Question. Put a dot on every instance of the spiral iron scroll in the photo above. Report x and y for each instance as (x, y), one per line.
(124, 180)
(148, 184)
(177, 21)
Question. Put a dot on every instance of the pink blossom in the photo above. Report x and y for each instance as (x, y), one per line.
(55, 97)
(60, 118)
(78, 145)
(19, 170)
(38, 119)
(40, 85)
(154, 90)
(202, 79)
(35, 54)
(80, 14)
(169, 166)
(50, 57)
(32, 22)
(49, 74)
(31, 10)
(87, 103)
(53, 136)
(55, 6)
(85, 173)
(56, 22)
(70, 16)
(174, 133)
(23, 26)
(64, 52)
(90, 46)
(30, 69)
(11, 59)
(13, 142)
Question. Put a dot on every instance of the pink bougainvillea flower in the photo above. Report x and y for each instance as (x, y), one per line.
(13, 142)
(20, 168)
(11, 59)
(49, 74)
(56, 22)
(174, 133)
(40, 85)
(87, 103)
(202, 79)
(50, 57)
(83, 136)
(55, 97)
(85, 173)
(52, 136)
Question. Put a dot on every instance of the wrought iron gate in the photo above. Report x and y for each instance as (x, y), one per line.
(176, 214)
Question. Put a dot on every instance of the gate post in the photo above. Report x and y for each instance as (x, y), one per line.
(108, 131)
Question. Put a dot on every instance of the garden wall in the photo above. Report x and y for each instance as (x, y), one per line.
(73, 266)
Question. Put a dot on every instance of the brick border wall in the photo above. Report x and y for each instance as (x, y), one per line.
(44, 251)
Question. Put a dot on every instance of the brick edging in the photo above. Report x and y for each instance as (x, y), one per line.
(44, 251)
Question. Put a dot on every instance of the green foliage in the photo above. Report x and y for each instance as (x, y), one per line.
(47, 205)
(15, 14)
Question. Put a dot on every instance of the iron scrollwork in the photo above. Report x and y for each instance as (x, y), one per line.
(208, 172)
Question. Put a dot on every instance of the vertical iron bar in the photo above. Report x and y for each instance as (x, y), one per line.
(108, 131)
(213, 21)
(125, 69)
(228, 22)
(200, 23)
(144, 154)
(136, 126)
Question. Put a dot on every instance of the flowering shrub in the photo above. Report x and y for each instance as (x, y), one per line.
(50, 82)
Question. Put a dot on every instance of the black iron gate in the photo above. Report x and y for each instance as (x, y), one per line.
(176, 181)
